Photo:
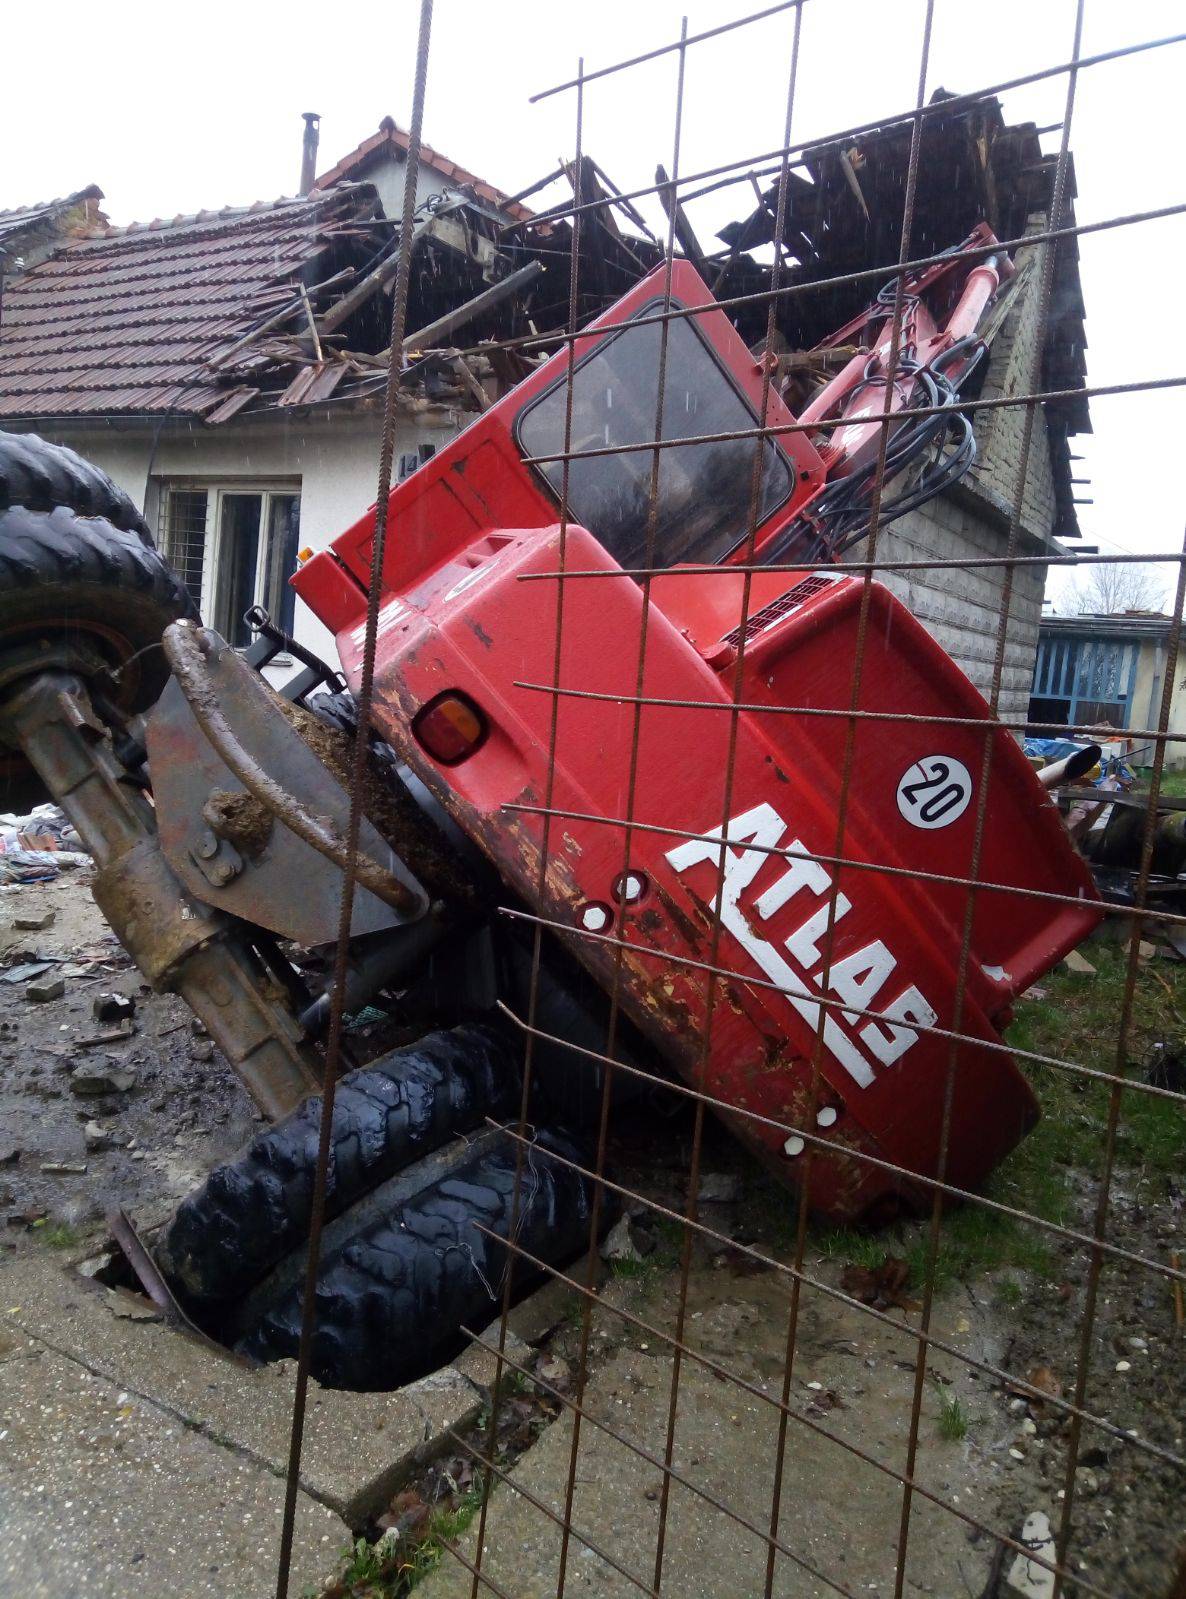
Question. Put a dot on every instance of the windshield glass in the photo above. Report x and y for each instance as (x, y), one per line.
(704, 490)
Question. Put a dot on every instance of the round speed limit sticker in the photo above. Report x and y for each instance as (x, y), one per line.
(935, 791)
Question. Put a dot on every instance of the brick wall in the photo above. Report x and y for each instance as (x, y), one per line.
(961, 606)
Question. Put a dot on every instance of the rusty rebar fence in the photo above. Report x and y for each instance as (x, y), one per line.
(1105, 1237)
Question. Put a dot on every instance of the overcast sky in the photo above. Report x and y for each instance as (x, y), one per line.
(175, 109)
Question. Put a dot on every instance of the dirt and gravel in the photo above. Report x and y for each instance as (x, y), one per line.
(141, 1146)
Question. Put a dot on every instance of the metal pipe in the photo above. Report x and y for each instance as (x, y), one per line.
(309, 150)
(1070, 767)
(377, 965)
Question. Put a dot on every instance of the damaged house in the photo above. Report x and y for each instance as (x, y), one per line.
(228, 368)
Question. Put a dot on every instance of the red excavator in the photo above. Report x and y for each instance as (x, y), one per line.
(617, 798)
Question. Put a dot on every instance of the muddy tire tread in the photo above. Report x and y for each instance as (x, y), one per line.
(250, 1212)
(39, 476)
(405, 1286)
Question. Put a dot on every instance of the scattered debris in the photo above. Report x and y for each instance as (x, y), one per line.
(40, 993)
(719, 1188)
(25, 971)
(618, 1243)
(1025, 1575)
(34, 922)
(882, 1286)
(99, 1138)
(114, 1035)
(92, 1080)
(1074, 962)
(35, 847)
(202, 1049)
(63, 1168)
(113, 1007)
(130, 1307)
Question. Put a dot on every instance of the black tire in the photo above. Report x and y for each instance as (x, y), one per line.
(341, 711)
(82, 581)
(40, 476)
(253, 1211)
(395, 1295)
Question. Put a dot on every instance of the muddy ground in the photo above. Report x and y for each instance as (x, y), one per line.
(1007, 1299)
(180, 1115)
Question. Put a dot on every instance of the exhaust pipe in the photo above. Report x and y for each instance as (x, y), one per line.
(1070, 767)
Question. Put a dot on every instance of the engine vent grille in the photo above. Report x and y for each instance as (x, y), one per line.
(777, 609)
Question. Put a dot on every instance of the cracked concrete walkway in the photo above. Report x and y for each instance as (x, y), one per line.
(136, 1461)
(106, 1495)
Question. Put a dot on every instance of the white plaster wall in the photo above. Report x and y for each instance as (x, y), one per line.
(334, 458)
(388, 177)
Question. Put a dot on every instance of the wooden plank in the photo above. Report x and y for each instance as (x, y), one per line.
(688, 242)
(430, 337)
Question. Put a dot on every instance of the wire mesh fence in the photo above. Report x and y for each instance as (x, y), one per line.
(771, 724)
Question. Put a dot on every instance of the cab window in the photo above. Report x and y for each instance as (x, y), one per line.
(704, 490)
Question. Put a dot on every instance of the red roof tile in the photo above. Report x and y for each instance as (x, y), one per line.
(125, 320)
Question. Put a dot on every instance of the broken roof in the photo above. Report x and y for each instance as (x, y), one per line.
(27, 232)
(393, 140)
(127, 320)
(205, 316)
(31, 218)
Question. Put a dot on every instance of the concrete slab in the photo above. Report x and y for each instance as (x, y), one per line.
(839, 1514)
(358, 1447)
(107, 1496)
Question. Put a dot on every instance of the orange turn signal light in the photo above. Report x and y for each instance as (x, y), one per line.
(450, 727)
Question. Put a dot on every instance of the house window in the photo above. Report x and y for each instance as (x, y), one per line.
(183, 536)
(1084, 681)
(234, 546)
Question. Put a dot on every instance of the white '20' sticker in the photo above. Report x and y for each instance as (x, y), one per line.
(935, 791)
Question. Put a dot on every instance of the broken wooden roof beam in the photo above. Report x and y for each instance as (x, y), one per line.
(431, 336)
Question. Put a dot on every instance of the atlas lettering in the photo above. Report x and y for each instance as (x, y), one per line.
(861, 1044)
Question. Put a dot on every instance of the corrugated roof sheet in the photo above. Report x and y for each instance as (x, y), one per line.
(126, 320)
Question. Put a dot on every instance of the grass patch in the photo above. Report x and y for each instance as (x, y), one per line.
(59, 1236)
(1077, 1020)
(851, 1245)
(972, 1241)
(1009, 1293)
(393, 1566)
(953, 1419)
(1173, 784)
(634, 1268)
